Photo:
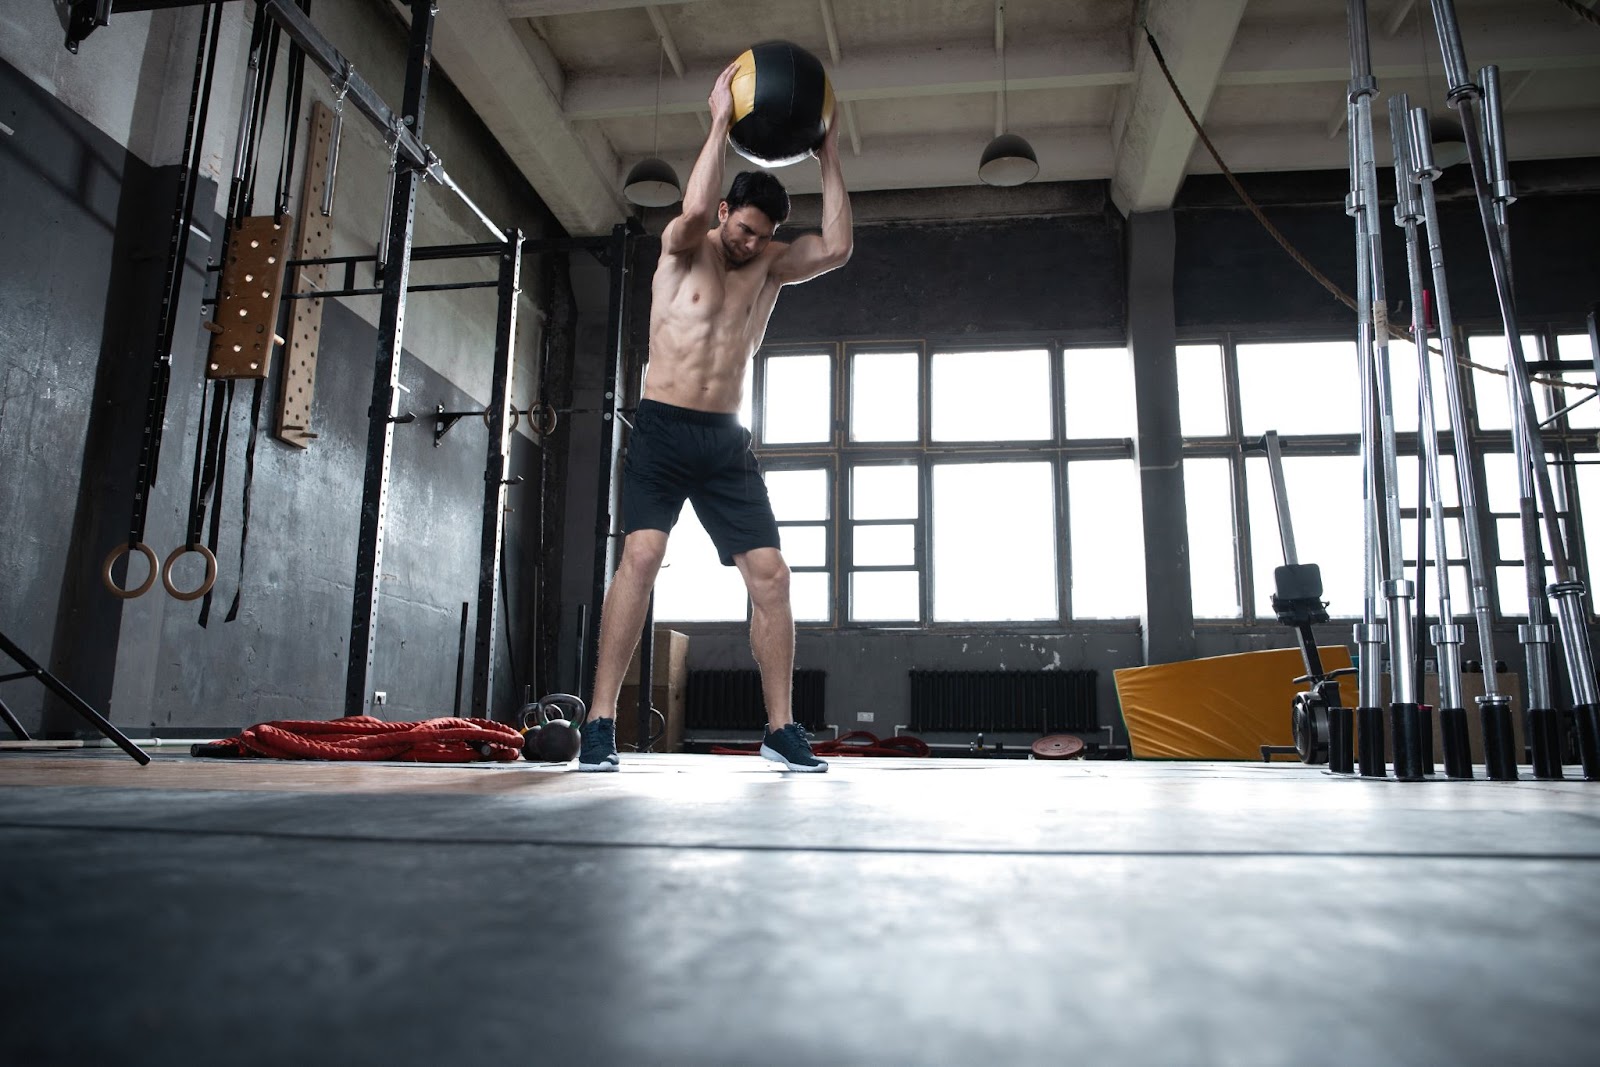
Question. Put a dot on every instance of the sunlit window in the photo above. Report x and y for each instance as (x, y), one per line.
(798, 399)
(1099, 392)
(1299, 387)
(991, 396)
(994, 542)
(1202, 393)
(1325, 512)
(1213, 569)
(693, 585)
(884, 396)
(1107, 561)
(1490, 391)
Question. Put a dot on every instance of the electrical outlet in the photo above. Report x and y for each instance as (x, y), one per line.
(380, 698)
(864, 716)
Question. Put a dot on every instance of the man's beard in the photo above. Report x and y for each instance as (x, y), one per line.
(733, 254)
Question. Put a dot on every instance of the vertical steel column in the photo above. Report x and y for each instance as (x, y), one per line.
(1567, 591)
(1447, 634)
(606, 517)
(494, 477)
(386, 373)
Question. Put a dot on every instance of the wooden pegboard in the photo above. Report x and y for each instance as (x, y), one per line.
(245, 330)
(315, 240)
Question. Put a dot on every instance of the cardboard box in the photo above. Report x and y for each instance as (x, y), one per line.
(670, 701)
(670, 663)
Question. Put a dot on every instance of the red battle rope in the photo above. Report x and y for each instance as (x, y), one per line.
(361, 737)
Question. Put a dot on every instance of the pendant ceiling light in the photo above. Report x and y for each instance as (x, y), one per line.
(652, 182)
(1008, 159)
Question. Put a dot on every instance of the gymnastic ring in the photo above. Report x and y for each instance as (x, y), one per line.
(205, 586)
(547, 419)
(115, 554)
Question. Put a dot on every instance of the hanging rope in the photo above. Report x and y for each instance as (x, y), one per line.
(1397, 333)
(1582, 12)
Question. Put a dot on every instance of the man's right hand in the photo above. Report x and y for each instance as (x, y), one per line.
(721, 100)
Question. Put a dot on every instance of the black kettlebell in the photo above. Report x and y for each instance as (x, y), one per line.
(550, 728)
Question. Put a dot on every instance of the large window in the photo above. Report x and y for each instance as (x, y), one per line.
(1233, 390)
(926, 484)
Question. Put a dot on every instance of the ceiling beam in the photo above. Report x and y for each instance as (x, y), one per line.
(1075, 153)
(893, 74)
(1316, 50)
(1154, 138)
(572, 170)
(538, 9)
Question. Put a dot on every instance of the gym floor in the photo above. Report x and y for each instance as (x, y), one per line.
(713, 910)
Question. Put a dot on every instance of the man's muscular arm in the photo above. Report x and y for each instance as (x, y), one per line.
(812, 255)
(704, 193)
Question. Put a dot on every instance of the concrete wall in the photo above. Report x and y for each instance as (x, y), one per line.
(89, 178)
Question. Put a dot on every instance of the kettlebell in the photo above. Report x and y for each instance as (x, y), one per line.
(550, 728)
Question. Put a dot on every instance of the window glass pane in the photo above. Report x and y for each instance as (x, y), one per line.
(1202, 402)
(798, 399)
(1489, 390)
(885, 596)
(747, 400)
(798, 495)
(1508, 538)
(1512, 587)
(1403, 372)
(1452, 539)
(1576, 347)
(805, 546)
(1106, 520)
(1508, 534)
(994, 542)
(1586, 415)
(1589, 502)
(693, 585)
(1500, 482)
(883, 396)
(1299, 388)
(883, 492)
(1325, 505)
(1408, 467)
(885, 546)
(1213, 571)
(809, 594)
(991, 396)
(1099, 387)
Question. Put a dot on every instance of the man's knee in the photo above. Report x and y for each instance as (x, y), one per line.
(642, 553)
(767, 577)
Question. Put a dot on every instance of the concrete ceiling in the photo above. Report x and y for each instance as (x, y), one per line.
(570, 86)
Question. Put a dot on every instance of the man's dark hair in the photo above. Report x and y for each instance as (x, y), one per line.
(758, 189)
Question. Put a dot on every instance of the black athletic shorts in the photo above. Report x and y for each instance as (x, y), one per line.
(677, 454)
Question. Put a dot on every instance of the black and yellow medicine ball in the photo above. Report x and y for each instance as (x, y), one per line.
(782, 104)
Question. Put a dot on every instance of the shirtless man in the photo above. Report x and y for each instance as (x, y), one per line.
(714, 289)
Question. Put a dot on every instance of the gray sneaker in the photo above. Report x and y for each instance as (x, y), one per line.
(791, 746)
(599, 752)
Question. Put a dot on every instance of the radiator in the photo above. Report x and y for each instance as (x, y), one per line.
(731, 700)
(1041, 702)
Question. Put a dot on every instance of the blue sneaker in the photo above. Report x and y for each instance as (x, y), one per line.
(791, 746)
(599, 752)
